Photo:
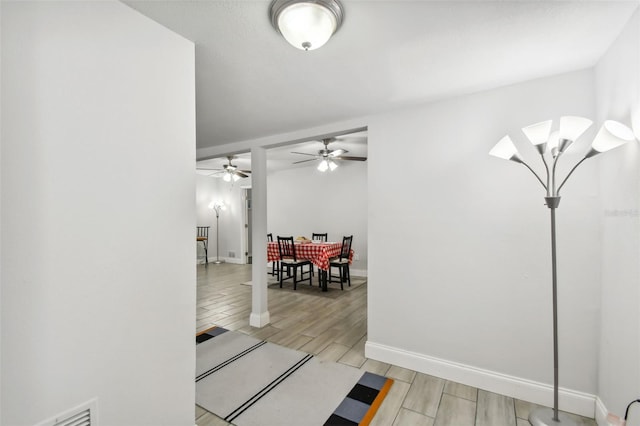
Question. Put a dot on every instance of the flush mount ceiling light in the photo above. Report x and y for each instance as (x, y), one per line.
(306, 24)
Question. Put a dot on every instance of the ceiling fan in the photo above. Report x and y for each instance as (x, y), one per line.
(327, 156)
(228, 172)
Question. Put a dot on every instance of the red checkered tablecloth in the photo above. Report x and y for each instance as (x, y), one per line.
(318, 253)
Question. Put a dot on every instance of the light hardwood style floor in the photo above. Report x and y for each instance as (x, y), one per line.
(334, 327)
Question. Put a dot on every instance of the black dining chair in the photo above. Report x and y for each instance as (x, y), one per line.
(342, 263)
(202, 236)
(289, 261)
(275, 266)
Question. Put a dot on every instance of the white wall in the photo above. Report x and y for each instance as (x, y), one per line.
(459, 253)
(618, 96)
(98, 282)
(302, 201)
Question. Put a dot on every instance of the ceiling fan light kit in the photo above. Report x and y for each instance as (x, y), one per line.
(327, 165)
(328, 156)
(306, 24)
(229, 172)
(228, 177)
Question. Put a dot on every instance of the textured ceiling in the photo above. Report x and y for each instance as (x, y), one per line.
(388, 54)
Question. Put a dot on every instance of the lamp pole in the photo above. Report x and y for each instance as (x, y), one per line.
(611, 135)
(217, 207)
(552, 203)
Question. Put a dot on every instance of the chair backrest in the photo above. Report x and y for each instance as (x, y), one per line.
(346, 247)
(203, 231)
(321, 237)
(287, 248)
(270, 237)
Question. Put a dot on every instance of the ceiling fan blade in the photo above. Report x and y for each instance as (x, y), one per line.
(304, 153)
(337, 152)
(242, 175)
(303, 161)
(215, 174)
(351, 158)
(201, 168)
(245, 171)
(208, 172)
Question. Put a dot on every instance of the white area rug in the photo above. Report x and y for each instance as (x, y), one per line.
(249, 382)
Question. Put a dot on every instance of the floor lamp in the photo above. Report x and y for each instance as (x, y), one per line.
(217, 207)
(551, 146)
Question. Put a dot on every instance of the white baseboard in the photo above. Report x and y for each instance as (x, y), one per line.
(236, 260)
(601, 413)
(527, 390)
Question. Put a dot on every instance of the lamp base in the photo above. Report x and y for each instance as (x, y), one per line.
(217, 262)
(544, 417)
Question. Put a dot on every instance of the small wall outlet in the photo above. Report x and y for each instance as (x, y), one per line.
(356, 256)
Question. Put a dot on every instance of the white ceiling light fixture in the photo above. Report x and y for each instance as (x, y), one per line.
(229, 176)
(327, 164)
(323, 166)
(306, 24)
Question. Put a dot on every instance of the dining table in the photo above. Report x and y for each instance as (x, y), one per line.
(318, 252)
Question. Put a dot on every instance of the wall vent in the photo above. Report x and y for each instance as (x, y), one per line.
(82, 415)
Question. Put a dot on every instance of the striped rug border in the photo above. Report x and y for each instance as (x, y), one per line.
(209, 333)
(230, 360)
(268, 388)
(206, 331)
(362, 403)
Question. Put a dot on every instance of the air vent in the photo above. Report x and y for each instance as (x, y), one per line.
(82, 415)
(82, 418)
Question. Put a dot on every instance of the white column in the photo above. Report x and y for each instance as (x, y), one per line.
(259, 312)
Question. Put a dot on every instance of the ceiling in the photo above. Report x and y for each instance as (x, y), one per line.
(251, 83)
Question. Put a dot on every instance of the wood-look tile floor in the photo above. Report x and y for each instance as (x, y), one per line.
(335, 328)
